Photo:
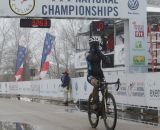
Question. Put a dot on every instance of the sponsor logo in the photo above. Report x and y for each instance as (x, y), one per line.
(130, 88)
(133, 4)
(138, 45)
(155, 93)
(139, 33)
(22, 7)
(139, 29)
(139, 60)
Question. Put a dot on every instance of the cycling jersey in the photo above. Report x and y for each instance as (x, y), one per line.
(94, 58)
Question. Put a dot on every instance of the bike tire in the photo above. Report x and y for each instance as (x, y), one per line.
(93, 115)
(109, 112)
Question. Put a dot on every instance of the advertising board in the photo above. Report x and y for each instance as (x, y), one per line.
(73, 8)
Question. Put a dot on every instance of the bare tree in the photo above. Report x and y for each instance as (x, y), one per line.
(4, 30)
(69, 39)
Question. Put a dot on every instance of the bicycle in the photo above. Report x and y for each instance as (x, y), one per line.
(106, 107)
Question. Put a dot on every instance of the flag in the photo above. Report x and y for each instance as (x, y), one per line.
(19, 62)
(47, 47)
(45, 66)
(49, 39)
(19, 73)
(44, 69)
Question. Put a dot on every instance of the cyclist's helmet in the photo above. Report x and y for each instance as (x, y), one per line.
(94, 42)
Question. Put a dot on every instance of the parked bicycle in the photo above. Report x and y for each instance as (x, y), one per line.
(106, 107)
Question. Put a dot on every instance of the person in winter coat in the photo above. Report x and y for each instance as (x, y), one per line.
(65, 79)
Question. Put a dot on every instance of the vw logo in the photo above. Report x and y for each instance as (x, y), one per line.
(133, 4)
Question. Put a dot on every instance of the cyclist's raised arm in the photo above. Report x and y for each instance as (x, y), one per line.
(104, 58)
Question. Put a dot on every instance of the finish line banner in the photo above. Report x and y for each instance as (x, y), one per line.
(73, 8)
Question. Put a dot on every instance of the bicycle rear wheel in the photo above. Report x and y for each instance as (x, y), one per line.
(109, 112)
(93, 115)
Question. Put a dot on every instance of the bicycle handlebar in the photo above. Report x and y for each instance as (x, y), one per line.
(118, 82)
(110, 83)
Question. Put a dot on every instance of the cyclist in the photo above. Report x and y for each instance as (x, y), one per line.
(95, 73)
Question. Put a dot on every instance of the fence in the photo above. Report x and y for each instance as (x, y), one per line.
(136, 89)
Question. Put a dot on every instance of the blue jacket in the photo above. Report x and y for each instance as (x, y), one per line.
(65, 80)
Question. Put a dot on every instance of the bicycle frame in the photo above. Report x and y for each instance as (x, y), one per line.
(103, 87)
(104, 91)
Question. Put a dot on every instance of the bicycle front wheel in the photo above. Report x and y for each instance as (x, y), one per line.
(109, 112)
(93, 115)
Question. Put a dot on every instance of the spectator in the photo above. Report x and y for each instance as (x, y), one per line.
(65, 84)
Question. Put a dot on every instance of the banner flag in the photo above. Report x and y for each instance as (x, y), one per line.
(19, 62)
(47, 48)
(44, 70)
(45, 66)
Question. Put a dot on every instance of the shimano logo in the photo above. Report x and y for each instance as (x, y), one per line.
(133, 4)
